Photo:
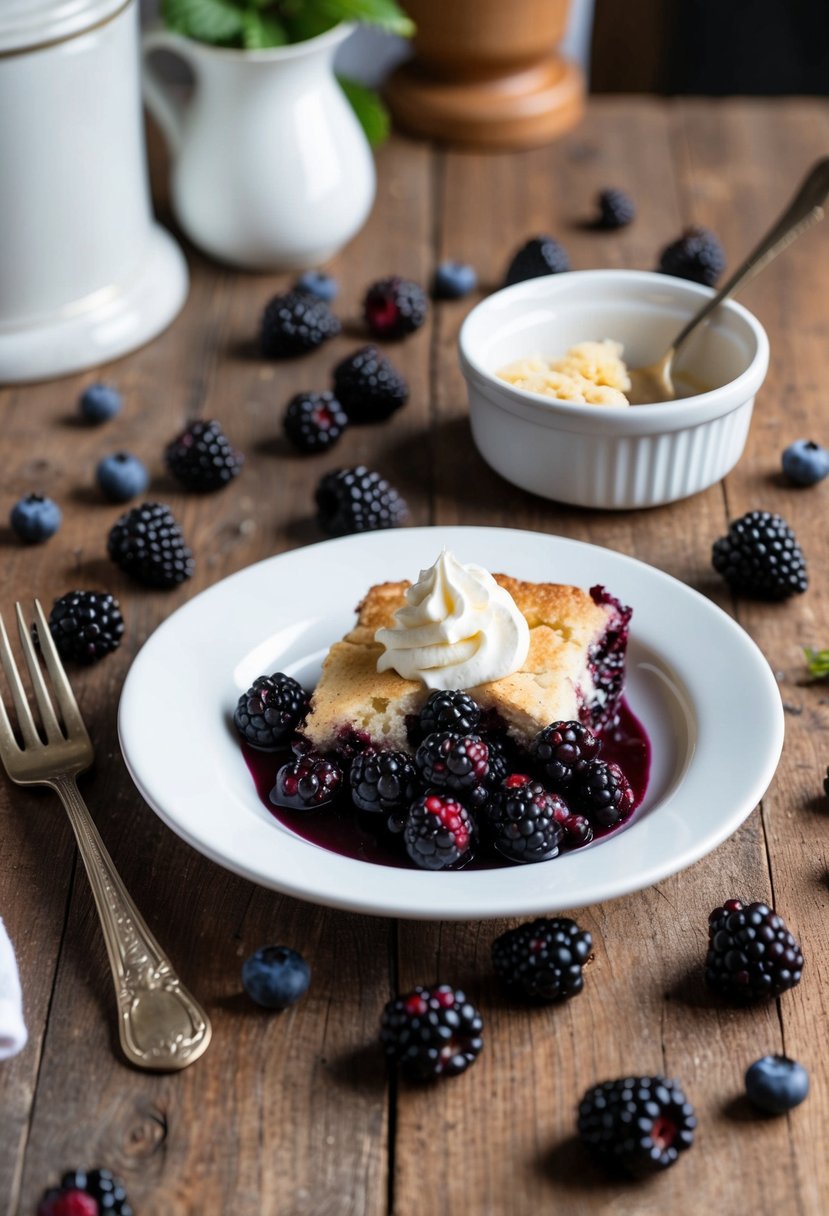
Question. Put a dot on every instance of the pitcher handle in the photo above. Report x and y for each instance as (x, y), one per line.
(165, 107)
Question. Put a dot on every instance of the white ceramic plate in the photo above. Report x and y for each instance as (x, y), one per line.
(703, 690)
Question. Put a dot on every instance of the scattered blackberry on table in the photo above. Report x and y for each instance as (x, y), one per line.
(269, 712)
(697, 255)
(602, 792)
(314, 422)
(100, 402)
(86, 625)
(431, 1032)
(357, 500)
(296, 322)
(562, 750)
(639, 1123)
(202, 458)
(539, 256)
(543, 960)
(521, 820)
(394, 307)
(776, 1084)
(307, 782)
(751, 953)
(383, 781)
(368, 387)
(35, 518)
(85, 1193)
(449, 709)
(275, 976)
(451, 761)
(805, 462)
(318, 283)
(438, 831)
(759, 556)
(147, 544)
(616, 210)
(121, 477)
(454, 280)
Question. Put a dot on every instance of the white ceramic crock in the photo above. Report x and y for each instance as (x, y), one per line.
(271, 170)
(85, 272)
(603, 456)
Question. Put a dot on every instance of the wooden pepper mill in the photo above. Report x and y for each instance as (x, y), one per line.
(486, 73)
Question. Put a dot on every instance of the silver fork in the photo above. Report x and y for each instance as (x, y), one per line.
(160, 1025)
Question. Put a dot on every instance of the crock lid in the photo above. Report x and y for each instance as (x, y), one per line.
(26, 24)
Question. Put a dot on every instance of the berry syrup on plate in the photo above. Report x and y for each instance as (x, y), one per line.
(339, 827)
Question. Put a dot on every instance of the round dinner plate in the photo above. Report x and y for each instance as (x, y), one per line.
(696, 680)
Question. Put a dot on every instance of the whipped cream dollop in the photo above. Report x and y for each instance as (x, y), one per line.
(457, 629)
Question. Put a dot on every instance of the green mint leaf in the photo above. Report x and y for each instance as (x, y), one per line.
(260, 31)
(386, 14)
(216, 21)
(303, 26)
(817, 662)
(371, 113)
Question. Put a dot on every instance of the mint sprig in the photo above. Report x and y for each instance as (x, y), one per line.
(817, 662)
(257, 24)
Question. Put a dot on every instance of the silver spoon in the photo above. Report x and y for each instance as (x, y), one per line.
(655, 382)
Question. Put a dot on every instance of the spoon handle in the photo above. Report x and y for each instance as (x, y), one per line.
(805, 209)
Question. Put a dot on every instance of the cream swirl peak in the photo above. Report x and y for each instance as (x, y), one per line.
(457, 629)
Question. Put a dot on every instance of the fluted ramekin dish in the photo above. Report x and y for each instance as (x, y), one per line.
(607, 456)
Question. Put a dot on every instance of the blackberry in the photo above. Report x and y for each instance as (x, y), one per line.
(542, 960)
(85, 1193)
(697, 255)
(539, 256)
(499, 762)
(576, 828)
(521, 818)
(368, 387)
(86, 625)
(314, 421)
(639, 1123)
(562, 750)
(308, 782)
(438, 831)
(295, 322)
(394, 307)
(616, 209)
(759, 556)
(451, 761)
(357, 500)
(602, 792)
(382, 781)
(269, 712)
(202, 459)
(449, 710)
(751, 953)
(147, 544)
(431, 1032)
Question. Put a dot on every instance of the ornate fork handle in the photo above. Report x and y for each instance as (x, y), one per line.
(160, 1025)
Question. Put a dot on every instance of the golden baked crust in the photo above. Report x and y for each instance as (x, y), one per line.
(554, 681)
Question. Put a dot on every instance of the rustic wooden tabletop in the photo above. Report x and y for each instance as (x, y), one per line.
(295, 1113)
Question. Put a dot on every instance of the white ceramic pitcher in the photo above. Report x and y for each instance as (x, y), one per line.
(270, 168)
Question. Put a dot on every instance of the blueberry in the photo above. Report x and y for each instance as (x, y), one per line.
(454, 280)
(776, 1084)
(317, 283)
(275, 977)
(35, 518)
(100, 402)
(805, 462)
(122, 477)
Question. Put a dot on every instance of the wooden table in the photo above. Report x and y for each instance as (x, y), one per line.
(294, 1114)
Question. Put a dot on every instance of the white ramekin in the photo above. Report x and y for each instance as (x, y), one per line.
(603, 456)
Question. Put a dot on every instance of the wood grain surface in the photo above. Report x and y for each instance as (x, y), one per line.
(295, 1114)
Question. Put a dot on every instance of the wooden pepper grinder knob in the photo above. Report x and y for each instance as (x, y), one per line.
(486, 73)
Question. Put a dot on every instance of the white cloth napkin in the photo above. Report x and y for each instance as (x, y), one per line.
(13, 1033)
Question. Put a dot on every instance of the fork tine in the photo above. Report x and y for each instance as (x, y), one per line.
(8, 743)
(24, 714)
(70, 713)
(47, 714)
